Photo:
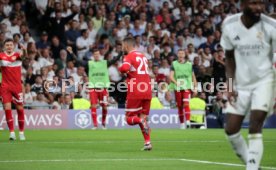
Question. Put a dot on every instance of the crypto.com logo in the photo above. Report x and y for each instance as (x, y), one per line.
(83, 119)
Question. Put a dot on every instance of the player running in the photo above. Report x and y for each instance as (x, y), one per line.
(248, 39)
(11, 87)
(139, 89)
(183, 79)
(98, 84)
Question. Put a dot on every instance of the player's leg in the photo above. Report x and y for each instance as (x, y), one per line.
(186, 104)
(255, 139)
(179, 103)
(94, 101)
(234, 119)
(18, 101)
(7, 99)
(133, 107)
(145, 129)
(104, 103)
(261, 103)
(232, 130)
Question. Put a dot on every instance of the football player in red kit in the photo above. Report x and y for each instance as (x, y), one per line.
(11, 87)
(139, 93)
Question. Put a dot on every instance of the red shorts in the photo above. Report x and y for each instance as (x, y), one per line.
(12, 94)
(98, 95)
(182, 96)
(137, 106)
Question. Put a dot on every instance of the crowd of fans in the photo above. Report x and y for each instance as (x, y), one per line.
(60, 34)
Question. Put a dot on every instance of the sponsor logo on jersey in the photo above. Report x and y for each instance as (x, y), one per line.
(237, 38)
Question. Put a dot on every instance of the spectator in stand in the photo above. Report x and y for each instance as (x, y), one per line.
(56, 47)
(165, 68)
(30, 77)
(40, 102)
(37, 86)
(198, 38)
(27, 38)
(83, 44)
(62, 60)
(29, 96)
(167, 51)
(57, 23)
(78, 76)
(136, 30)
(72, 34)
(208, 44)
(67, 101)
(219, 67)
(43, 42)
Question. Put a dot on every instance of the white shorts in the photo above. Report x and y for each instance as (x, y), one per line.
(259, 98)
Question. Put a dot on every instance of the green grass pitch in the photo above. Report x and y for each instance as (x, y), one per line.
(120, 149)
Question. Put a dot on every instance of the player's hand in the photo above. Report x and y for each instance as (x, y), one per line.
(194, 93)
(232, 97)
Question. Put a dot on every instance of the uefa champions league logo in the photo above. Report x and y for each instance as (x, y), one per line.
(83, 119)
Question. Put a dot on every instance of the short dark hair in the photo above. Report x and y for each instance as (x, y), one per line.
(129, 41)
(8, 40)
(180, 49)
(95, 50)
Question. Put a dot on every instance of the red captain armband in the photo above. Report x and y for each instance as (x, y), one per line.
(125, 67)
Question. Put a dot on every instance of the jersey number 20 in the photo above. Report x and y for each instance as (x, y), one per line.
(142, 62)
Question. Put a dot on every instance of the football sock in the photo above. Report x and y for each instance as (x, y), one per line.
(181, 115)
(239, 146)
(255, 151)
(133, 120)
(9, 120)
(187, 113)
(104, 113)
(145, 135)
(21, 120)
(94, 116)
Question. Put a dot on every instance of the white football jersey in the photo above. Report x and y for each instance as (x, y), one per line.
(253, 49)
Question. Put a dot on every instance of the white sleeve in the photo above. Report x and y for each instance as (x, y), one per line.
(274, 40)
(225, 41)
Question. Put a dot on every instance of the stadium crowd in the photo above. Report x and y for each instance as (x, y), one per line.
(60, 34)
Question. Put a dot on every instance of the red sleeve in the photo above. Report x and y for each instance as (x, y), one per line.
(18, 55)
(126, 65)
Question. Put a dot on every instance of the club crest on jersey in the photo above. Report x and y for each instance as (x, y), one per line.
(13, 58)
(260, 35)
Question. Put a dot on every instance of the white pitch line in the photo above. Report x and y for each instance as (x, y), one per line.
(122, 141)
(222, 163)
(124, 159)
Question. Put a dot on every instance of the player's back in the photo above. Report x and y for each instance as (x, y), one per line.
(11, 69)
(138, 78)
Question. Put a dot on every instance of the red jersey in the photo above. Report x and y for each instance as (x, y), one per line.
(11, 69)
(138, 80)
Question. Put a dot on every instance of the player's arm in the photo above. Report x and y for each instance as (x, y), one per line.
(194, 83)
(172, 77)
(230, 64)
(125, 67)
(23, 53)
